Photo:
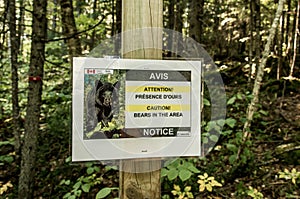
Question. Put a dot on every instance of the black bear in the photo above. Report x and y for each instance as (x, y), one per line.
(101, 104)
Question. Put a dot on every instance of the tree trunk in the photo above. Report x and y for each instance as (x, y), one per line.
(280, 46)
(20, 30)
(14, 49)
(94, 15)
(293, 59)
(141, 178)
(69, 28)
(52, 32)
(3, 29)
(118, 27)
(39, 33)
(252, 107)
(195, 16)
(256, 22)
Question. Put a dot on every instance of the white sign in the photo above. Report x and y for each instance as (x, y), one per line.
(135, 109)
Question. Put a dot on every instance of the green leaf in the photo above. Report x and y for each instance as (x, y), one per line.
(205, 140)
(86, 179)
(68, 159)
(193, 169)
(231, 100)
(6, 158)
(164, 172)
(214, 138)
(230, 122)
(72, 197)
(97, 169)
(239, 96)
(232, 147)
(78, 192)
(67, 195)
(89, 164)
(172, 174)
(206, 102)
(265, 113)
(90, 170)
(210, 125)
(103, 193)
(6, 143)
(232, 158)
(77, 185)
(221, 122)
(190, 166)
(184, 174)
(228, 132)
(86, 187)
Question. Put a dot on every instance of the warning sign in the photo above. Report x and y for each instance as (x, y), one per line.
(125, 109)
(158, 99)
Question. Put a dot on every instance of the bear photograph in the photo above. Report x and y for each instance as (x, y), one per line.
(101, 106)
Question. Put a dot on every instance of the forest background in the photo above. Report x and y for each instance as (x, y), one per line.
(38, 40)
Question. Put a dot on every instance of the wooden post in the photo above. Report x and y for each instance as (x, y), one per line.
(140, 178)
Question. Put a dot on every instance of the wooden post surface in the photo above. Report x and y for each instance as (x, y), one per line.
(140, 178)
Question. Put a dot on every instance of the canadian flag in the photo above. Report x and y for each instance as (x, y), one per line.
(90, 71)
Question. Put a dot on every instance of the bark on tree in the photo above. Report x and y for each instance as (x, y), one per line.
(257, 38)
(175, 23)
(39, 33)
(195, 16)
(20, 30)
(69, 28)
(3, 29)
(118, 27)
(252, 107)
(137, 14)
(14, 49)
(280, 46)
(293, 60)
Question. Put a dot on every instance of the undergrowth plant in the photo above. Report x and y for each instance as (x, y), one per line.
(86, 182)
(254, 193)
(292, 175)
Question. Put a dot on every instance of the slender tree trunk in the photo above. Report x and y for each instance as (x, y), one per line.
(177, 43)
(280, 45)
(20, 30)
(39, 33)
(251, 45)
(14, 49)
(3, 29)
(53, 31)
(195, 20)
(256, 23)
(69, 28)
(259, 76)
(94, 15)
(288, 36)
(118, 28)
(293, 60)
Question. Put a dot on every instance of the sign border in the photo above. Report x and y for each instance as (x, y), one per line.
(127, 148)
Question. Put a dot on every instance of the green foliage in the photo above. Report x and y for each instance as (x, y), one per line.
(86, 182)
(6, 158)
(254, 193)
(105, 192)
(181, 168)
